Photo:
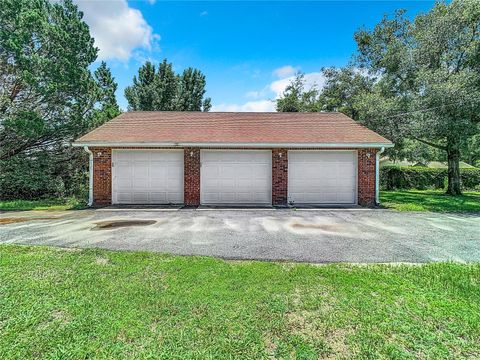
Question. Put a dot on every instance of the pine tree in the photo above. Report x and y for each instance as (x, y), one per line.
(108, 106)
(163, 90)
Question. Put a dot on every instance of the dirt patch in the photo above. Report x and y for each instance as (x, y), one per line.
(303, 324)
(6, 221)
(270, 347)
(337, 342)
(114, 224)
(313, 226)
(57, 318)
(309, 325)
(314, 323)
(101, 261)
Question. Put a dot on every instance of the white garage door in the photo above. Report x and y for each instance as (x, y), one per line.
(147, 177)
(236, 177)
(322, 177)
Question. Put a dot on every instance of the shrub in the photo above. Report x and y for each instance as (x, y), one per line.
(419, 177)
(22, 178)
(43, 175)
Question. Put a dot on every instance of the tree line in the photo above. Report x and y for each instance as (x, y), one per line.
(415, 82)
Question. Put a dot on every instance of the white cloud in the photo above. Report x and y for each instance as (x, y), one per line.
(311, 79)
(204, 13)
(285, 71)
(254, 94)
(117, 28)
(275, 88)
(250, 106)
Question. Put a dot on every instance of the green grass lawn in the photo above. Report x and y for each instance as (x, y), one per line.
(46, 204)
(66, 304)
(430, 200)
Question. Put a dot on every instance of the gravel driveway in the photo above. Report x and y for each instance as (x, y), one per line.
(310, 235)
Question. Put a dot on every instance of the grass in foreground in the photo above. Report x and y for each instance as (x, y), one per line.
(46, 204)
(99, 304)
(430, 200)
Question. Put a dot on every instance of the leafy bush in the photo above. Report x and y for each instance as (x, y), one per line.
(22, 178)
(419, 177)
(43, 175)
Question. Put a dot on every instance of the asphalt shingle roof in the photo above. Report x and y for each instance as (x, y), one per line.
(231, 127)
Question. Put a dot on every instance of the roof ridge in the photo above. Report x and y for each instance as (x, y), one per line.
(230, 112)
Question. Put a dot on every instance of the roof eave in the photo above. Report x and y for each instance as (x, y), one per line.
(233, 145)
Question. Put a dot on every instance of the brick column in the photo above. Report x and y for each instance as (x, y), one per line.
(366, 177)
(191, 186)
(102, 176)
(279, 177)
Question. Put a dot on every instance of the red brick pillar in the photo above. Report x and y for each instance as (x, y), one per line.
(366, 177)
(102, 176)
(279, 177)
(191, 186)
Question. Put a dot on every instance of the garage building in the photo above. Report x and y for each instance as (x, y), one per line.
(203, 158)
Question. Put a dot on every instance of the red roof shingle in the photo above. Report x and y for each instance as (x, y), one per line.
(230, 127)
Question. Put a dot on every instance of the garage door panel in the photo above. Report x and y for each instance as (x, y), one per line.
(225, 184)
(346, 169)
(236, 177)
(226, 171)
(124, 170)
(174, 172)
(176, 198)
(140, 197)
(158, 172)
(343, 197)
(312, 171)
(124, 184)
(140, 156)
(210, 197)
(171, 185)
(244, 183)
(140, 170)
(124, 197)
(123, 156)
(227, 196)
(262, 197)
(330, 198)
(141, 184)
(147, 177)
(158, 197)
(322, 177)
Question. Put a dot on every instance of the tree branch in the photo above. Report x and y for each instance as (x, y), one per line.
(437, 146)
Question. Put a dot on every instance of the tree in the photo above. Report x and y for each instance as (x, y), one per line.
(45, 86)
(141, 94)
(428, 72)
(296, 98)
(191, 89)
(472, 151)
(340, 92)
(107, 103)
(48, 97)
(163, 90)
(342, 89)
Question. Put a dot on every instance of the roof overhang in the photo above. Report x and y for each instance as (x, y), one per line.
(234, 145)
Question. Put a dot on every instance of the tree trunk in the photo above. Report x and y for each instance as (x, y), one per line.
(453, 153)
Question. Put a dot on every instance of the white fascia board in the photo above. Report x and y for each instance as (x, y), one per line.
(235, 145)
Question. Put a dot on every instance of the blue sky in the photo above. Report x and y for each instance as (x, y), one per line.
(247, 50)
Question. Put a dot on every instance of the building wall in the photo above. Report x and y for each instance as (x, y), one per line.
(279, 177)
(191, 176)
(366, 177)
(102, 176)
